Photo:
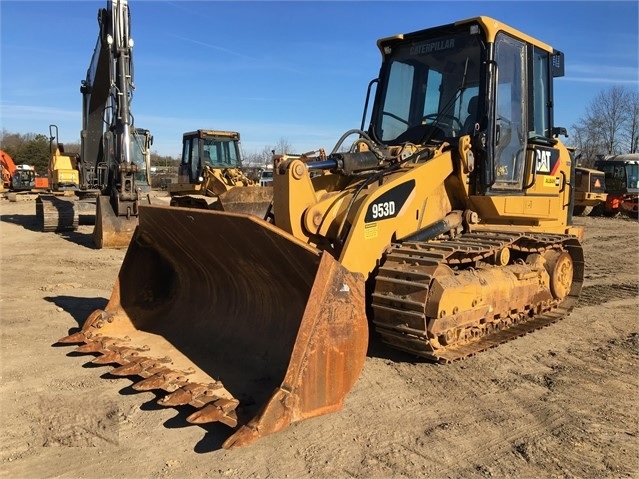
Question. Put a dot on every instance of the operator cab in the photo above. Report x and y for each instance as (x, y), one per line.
(476, 77)
(215, 149)
(141, 141)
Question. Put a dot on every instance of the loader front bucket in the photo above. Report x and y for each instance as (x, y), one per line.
(233, 316)
(251, 200)
(111, 230)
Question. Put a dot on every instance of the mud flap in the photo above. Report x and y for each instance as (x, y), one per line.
(230, 314)
(111, 231)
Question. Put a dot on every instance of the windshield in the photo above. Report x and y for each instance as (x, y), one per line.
(430, 81)
(138, 156)
(633, 175)
(220, 153)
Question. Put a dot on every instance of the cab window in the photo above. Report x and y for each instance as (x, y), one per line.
(510, 113)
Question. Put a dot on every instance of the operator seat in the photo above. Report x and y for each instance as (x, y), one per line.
(471, 119)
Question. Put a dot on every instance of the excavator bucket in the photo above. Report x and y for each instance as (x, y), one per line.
(229, 314)
(111, 230)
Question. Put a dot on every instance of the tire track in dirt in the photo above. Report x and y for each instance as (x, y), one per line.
(596, 294)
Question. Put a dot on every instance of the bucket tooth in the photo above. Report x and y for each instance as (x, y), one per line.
(89, 347)
(80, 336)
(116, 355)
(226, 405)
(153, 382)
(175, 383)
(163, 379)
(202, 400)
(183, 395)
(176, 398)
(213, 414)
(222, 410)
(75, 338)
(133, 368)
(230, 419)
(153, 370)
(108, 357)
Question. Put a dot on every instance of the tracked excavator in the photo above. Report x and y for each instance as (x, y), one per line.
(210, 176)
(114, 158)
(19, 178)
(444, 228)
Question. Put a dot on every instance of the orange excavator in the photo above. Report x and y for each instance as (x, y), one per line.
(19, 177)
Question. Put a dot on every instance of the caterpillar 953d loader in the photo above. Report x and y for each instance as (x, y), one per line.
(210, 175)
(445, 226)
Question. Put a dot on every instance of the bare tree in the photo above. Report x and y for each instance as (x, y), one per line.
(631, 134)
(283, 146)
(610, 124)
(587, 142)
(264, 157)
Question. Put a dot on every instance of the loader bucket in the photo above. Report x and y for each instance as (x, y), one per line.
(252, 200)
(233, 316)
(111, 230)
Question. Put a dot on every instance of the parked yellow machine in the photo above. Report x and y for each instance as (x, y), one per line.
(445, 226)
(590, 190)
(210, 175)
(62, 169)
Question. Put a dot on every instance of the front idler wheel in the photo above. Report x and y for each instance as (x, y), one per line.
(560, 268)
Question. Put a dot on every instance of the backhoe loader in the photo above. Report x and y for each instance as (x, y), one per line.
(445, 226)
(210, 175)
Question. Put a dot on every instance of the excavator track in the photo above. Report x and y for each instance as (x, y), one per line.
(55, 213)
(498, 276)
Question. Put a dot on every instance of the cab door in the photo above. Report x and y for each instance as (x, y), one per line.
(510, 115)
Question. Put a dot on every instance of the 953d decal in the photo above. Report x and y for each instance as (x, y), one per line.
(389, 204)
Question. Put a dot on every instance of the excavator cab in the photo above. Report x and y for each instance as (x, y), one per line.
(444, 226)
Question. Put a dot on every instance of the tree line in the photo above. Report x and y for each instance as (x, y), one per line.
(610, 125)
(35, 149)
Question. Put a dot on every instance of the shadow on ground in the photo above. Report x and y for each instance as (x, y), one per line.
(29, 222)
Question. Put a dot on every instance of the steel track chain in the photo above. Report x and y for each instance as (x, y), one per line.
(403, 284)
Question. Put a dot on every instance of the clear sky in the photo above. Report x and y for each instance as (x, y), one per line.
(275, 70)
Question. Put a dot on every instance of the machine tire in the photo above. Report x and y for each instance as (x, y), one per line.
(582, 210)
(597, 210)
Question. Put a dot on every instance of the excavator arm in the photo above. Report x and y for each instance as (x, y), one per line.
(109, 139)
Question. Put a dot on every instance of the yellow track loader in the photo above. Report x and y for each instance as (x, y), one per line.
(444, 227)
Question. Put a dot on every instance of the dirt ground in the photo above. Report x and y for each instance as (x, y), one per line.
(562, 402)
